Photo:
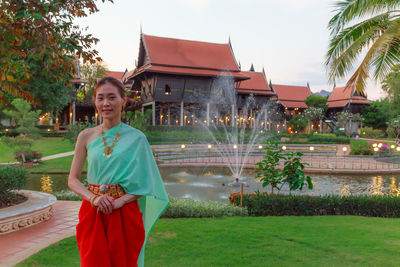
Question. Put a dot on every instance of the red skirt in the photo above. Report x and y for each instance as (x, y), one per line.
(113, 240)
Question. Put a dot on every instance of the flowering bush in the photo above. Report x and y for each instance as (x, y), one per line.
(27, 155)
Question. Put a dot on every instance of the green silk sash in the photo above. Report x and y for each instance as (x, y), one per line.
(131, 165)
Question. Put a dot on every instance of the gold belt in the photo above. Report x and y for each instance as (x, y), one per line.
(113, 190)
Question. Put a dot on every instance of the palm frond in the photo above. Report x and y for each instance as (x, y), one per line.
(346, 46)
(349, 10)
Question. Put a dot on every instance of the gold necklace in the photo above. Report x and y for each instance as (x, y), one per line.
(109, 149)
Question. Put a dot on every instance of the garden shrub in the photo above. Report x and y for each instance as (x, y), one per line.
(295, 205)
(181, 208)
(369, 132)
(11, 179)
(360, 147)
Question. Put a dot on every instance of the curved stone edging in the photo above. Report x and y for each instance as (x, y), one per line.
(38, 208)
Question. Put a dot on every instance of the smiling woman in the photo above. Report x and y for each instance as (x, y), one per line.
(125, 196)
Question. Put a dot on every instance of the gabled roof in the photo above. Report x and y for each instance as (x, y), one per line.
(292, 96)
(257, 84)
(341, 96)
(176, 56)
(115, 74)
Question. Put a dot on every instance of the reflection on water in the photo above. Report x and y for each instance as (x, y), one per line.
(210, 184)
(46, 184)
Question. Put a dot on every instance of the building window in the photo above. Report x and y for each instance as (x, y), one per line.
(168, 89)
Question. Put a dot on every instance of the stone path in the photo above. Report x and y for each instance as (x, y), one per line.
(19, 245)
(55, 156)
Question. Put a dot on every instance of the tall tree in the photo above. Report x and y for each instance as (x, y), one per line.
(317, 101)
(391, 84)
(378, 114)
(363, 27)
(90, 73)
(41, 34)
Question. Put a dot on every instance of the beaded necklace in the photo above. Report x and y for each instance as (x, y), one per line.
(109, 149)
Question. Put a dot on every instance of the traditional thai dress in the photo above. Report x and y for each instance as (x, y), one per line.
(119, 239)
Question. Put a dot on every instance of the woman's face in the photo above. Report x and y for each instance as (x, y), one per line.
(109, 102)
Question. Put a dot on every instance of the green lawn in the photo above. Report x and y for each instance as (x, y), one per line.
(258, 241)
(47, 146)
(55, 165)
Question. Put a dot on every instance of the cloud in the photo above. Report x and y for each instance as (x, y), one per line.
(197, 5)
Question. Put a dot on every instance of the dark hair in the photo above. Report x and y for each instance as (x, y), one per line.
(113, 81)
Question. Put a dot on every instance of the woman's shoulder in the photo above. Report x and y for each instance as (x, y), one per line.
(88, 134)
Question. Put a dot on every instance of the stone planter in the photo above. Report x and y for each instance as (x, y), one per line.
(38, 208)
(28, 164)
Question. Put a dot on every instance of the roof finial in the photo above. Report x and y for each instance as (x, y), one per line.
(141, 31)
(308, 85)
(263, 71)
(229, 39)
(252, 67)
(240, 65)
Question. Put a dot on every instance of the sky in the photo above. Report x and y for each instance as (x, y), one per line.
(288, 38)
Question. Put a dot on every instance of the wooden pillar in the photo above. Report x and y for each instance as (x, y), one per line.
(73, 112)
(251, 118)
(153, 107)
(233, 116)
(208, 114)
(161, 115)
(265, 119)
(181, 114)
(169, 115)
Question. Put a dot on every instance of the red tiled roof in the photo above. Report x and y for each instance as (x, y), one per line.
(189, 71)
(292, 96)
(257, 84)
(293, 104)
(115, 74)
(342, 95)
(185, 53)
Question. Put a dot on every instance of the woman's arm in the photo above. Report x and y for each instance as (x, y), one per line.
(125, 199)
(105, 203)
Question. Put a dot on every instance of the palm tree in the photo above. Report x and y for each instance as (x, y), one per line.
(370, 27)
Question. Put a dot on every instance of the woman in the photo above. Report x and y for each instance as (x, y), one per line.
(125, 196)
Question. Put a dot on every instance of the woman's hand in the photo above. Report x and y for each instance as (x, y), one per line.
(118, 203)
(104, 204)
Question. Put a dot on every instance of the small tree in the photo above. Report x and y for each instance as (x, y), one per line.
(24, 118)
(292, 173)
(394, 129)
(139, 120)
(297, 123)
(346, 120)
(317, 101)
(312, 114)
(90, 73)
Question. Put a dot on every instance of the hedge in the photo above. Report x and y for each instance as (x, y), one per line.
(295, 205)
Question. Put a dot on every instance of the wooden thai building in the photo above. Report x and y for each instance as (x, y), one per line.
(291, 98)
(346, 99)
(184, 81)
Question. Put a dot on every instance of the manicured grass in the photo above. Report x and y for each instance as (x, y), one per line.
(258, 241)
(47, 146)
(55, 165)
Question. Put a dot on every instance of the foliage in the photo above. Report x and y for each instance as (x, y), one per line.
(346, 119)
(378, 114)
(11, 178)
(139, 120)
(317, 101)
(74, 130)
(360, 147)
(291, 174)
(24, 117)
(188, 208)
(391, 84)
(90, 73)
(313, 113)
(368, 29)
(268, 168)
(297, 123)
(41, 34)
(394, 129)
(370, 132)
(295, 205)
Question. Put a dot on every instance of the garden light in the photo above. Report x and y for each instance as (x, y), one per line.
(311, 148)
(376, 149)
(6, 130)
(283, 147)
(398, 148)
(260, 146)
(392, 146)
(48, 130)
(380, 145)
(374, 145)
(209, 146)
(182, 146)
(235, 146)
(344, 149)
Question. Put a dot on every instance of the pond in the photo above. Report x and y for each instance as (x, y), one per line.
(203, 183)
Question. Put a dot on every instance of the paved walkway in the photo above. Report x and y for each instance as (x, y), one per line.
(19, 245)
(55, 156)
